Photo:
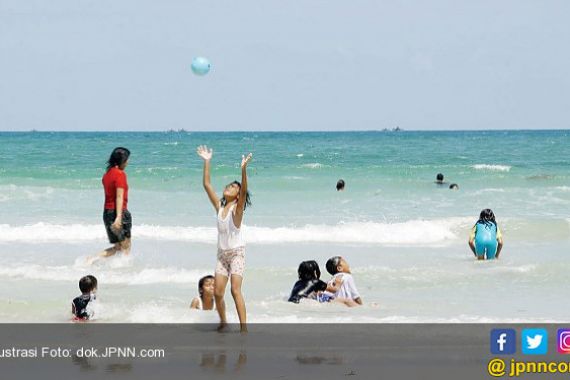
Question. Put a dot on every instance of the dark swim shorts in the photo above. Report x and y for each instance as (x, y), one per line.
(125, 233)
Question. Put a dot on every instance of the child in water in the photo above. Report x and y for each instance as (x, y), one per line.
(439, 179)
(82, 306)
(342, 286)
(205, 299)
(486, 240)
(309, 283)
(231, 245)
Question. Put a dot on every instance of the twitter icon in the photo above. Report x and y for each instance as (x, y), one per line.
(534, 341)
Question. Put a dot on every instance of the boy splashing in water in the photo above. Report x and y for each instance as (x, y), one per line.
(82, 306)
(231, 246)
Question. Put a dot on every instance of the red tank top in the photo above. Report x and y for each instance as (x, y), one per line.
(112, 180)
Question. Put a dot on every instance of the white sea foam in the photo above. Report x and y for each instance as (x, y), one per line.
(313, 165)
(414, 232)
(494, 168)
(168, 275)
(32, 193)
(328, 313)
(154, 312)
(489, 190)
(515, 269)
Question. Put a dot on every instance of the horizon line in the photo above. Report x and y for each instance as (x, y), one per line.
(182, 130)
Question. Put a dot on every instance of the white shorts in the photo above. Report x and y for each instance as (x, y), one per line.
(231, 261)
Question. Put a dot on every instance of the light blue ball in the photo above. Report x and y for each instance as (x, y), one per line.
(200, 66)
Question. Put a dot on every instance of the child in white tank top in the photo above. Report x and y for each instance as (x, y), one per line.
(205, 299)
(231, 246)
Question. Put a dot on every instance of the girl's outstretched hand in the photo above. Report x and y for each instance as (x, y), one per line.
(245, 160)
(205, 153)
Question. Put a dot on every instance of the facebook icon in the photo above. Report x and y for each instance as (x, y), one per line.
(503, 341)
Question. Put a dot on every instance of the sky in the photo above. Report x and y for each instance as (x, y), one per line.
(124, 65)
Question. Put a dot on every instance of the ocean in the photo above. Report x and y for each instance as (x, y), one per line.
(404, 237)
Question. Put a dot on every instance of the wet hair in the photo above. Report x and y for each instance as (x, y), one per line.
(340, 185)
(247, 203)
(201, 284)
(118, 157)
(439, 177)
(87, 284)
(309, 270)
(332, 265)
(454, 186)
(487, 217)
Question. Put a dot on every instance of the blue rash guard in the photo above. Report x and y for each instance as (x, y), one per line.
(485, 236)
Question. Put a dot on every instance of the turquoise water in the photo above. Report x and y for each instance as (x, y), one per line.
(388, 175)
(404, 236)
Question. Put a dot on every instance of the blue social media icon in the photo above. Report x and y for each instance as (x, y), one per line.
(534, 341)
(503, 341)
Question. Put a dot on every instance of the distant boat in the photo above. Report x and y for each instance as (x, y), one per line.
(181, 130)
(397, 129)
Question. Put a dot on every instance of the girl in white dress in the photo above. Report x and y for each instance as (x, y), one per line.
(231, 246)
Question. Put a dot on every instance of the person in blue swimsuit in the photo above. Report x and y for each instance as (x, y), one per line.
(486, 240)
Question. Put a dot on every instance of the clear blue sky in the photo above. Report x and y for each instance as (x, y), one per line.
(284, 65)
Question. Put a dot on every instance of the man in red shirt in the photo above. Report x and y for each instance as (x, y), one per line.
(116, 216)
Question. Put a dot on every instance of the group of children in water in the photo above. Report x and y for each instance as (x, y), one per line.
(485, 241)
(341, 287)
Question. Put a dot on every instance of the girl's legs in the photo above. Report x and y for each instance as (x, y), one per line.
(236, 281)
(491, 250)
(346, 301)
(480, 251)
(110, 251)
(220, 282)
(126, 246)
(106, 253)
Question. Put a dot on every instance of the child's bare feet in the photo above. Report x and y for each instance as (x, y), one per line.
(91, 260)
(222, 326)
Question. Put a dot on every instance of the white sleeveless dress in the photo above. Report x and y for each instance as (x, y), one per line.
(231, 246)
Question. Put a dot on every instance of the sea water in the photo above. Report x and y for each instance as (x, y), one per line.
(404, 237)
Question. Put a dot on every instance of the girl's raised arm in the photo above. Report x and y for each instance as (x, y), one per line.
(206, 155)
(242, 191)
